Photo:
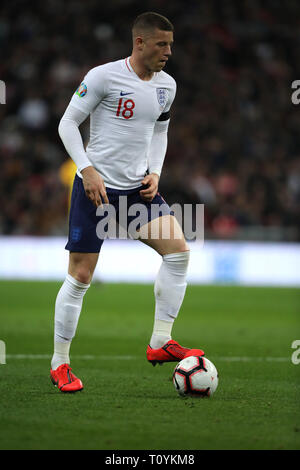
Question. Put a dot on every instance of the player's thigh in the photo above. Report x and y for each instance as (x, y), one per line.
(82, 266)
(164, 235)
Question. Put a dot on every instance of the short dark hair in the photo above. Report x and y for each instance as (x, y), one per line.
(150, 20)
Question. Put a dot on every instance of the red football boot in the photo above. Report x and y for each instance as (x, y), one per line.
(171, 352)
(63, 378)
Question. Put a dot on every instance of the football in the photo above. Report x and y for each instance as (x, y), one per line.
(195, 376)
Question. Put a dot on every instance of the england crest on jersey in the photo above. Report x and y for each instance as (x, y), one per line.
(162, 96)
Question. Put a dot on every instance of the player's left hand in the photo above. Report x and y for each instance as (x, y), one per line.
(151, 181)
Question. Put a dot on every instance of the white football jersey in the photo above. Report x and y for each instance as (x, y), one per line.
(123, 111)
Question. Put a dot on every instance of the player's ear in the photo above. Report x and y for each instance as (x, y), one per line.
(139, 43)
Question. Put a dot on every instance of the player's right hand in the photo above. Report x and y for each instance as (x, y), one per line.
(94, 186)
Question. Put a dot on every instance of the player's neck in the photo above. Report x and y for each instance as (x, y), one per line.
(141, 71)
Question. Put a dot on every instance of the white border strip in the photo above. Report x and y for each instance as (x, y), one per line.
(221, 262)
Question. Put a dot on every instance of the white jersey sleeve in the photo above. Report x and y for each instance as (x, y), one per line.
(87, 96)
(171, 97)
(158, 147)
(91, 90)
(69, 133)
(159, 142)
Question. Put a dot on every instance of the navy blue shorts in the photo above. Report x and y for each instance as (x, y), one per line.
(83, 220)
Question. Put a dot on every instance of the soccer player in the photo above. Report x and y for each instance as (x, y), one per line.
(129, 103)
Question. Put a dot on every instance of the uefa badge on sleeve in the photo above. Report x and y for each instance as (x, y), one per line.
(81, 90)
(162, 96)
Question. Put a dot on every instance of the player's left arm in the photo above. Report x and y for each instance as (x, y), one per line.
(157, 151)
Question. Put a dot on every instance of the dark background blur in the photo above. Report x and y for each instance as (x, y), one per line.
(234, 139)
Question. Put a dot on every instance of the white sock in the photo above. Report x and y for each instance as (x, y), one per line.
(67, 311)
(61, 354)
(161, 333)
(169, 290)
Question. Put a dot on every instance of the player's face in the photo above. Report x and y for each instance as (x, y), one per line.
(157, 49)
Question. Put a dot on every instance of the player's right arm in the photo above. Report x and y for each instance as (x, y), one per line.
(157, 149)
(86, 98)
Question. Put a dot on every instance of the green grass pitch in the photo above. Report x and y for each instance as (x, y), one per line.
(127, 403)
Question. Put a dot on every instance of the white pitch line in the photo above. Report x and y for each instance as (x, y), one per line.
(252, 358)
(86, 357)
(89, 357)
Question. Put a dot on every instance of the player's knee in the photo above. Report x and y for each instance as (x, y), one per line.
(178, 246)
(82, 266)
(182, 246)
(81, 273)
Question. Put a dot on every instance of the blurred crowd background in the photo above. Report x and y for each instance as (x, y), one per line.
(234, 139)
